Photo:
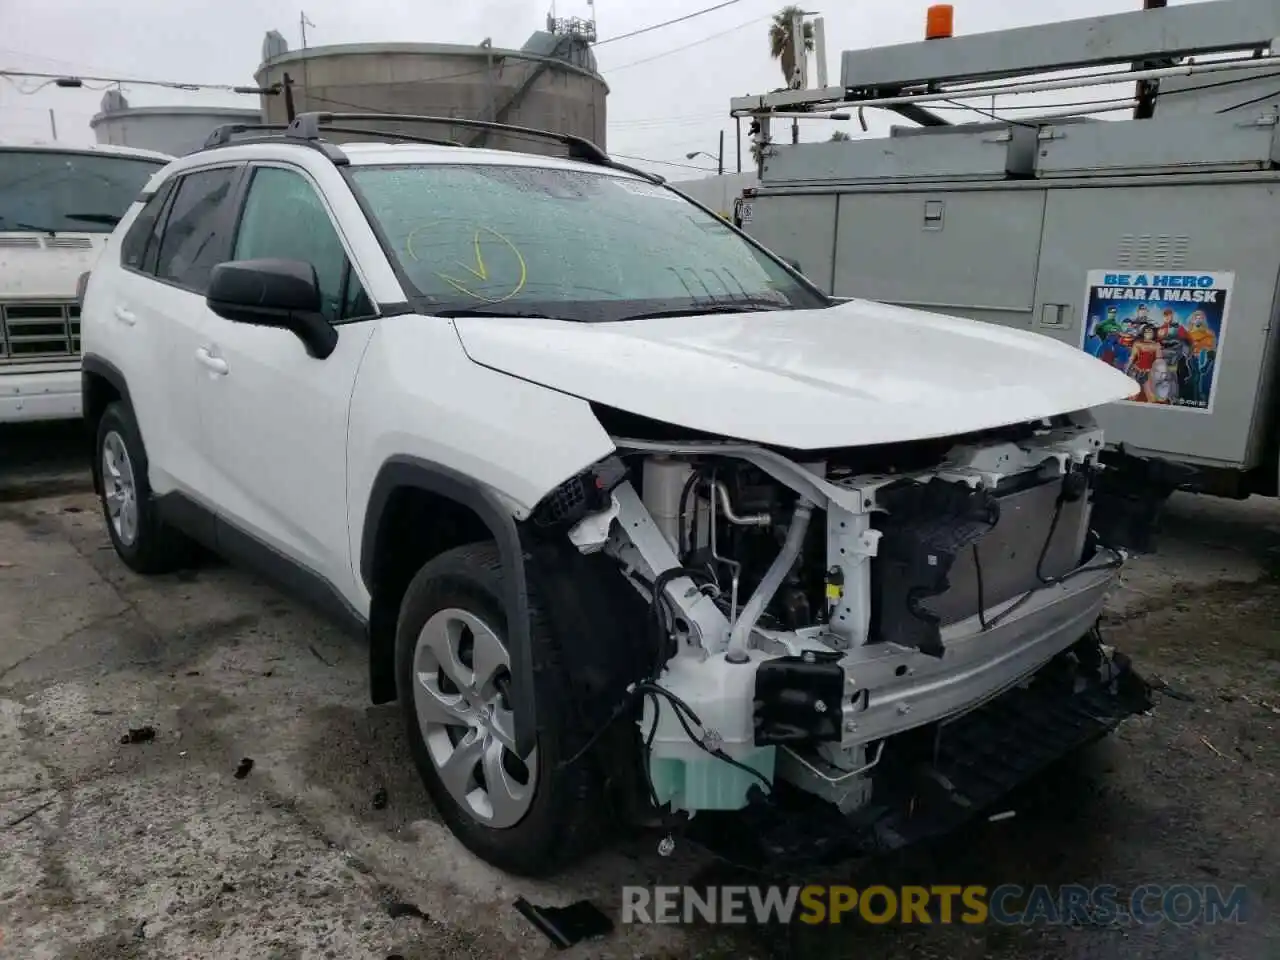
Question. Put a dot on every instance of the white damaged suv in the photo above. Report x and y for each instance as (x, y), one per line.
(638, 523)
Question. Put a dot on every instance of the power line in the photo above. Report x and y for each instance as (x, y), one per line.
(676, 120)
(32, 91)
(687, 46)
(65, 80)
(664, 163)
(70, 64)
(667, 23)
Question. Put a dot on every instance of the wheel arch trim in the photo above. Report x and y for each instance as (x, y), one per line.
(400, 472)
(93, 366)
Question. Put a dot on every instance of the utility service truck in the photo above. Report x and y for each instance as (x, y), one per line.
(1149, 241)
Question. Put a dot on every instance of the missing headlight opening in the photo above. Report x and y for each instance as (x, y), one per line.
(831, 620)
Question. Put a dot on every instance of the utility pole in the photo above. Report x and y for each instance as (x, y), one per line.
(487, 46)
(289, 111)
(53, 124)
(720, 163)
(303, 23)
(1145, 108)
(800, 57)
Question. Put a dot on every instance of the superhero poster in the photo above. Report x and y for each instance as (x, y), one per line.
(1162, 329)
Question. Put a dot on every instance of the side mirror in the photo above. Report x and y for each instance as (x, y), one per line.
(273, 293)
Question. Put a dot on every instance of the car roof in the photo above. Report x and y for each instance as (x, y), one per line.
(362, 154)
(91, 149)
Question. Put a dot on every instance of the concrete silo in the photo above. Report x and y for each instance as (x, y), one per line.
(551, 84)
(171, 130)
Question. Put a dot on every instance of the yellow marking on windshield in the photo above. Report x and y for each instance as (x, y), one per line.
(480, 271)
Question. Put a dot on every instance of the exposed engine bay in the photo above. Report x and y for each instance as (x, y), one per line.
(807, 611)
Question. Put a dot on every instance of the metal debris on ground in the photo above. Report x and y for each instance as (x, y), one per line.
(1159, 685)
(1254, 701)
(396, 909)
(1205, 741)
(28, 815)
(567, 926)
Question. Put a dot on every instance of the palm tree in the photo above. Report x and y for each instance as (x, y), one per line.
(781, 47)
(840, 135)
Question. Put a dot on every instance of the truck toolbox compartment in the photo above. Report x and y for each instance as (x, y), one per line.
(1237, 141)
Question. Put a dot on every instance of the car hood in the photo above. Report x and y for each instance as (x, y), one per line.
(39, 266)
(854, 374)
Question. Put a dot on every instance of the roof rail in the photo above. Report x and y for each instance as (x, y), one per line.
(221, 136)
(308, 129)
(224, 136)
(389, 135)
(309, 126)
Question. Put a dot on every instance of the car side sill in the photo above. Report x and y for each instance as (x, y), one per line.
(247, 551)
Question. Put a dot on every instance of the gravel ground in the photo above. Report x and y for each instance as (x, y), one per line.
(327, 846)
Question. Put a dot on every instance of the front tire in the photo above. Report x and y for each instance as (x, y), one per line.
(141, 539)
(528, 816)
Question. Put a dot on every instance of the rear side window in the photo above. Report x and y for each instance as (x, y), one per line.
(195, 234)
(142, 235)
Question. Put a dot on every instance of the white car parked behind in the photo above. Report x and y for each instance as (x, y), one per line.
(58, 206)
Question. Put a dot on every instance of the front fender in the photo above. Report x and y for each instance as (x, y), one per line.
(425, 415)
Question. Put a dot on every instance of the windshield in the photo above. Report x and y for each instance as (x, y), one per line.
(48, 191)
(568, 244)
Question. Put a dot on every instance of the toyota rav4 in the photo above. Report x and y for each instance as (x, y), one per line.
(636, 520)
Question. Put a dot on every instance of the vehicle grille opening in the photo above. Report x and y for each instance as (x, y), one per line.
(33, 332)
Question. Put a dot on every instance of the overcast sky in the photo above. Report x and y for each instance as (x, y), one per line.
(670, 89)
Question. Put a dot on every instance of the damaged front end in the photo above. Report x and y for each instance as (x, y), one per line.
(846, 633)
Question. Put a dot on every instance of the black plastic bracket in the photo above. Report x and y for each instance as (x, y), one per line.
(798, 699)
(925, 528)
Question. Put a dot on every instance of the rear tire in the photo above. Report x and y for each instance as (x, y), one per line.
(452, 675)
(141, 539)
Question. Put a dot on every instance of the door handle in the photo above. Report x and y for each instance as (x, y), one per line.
(126, 316)
(215, 364)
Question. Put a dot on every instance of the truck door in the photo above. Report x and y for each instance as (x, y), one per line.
(1200, 252)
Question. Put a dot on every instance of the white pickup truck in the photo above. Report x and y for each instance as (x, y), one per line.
(58, 206)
